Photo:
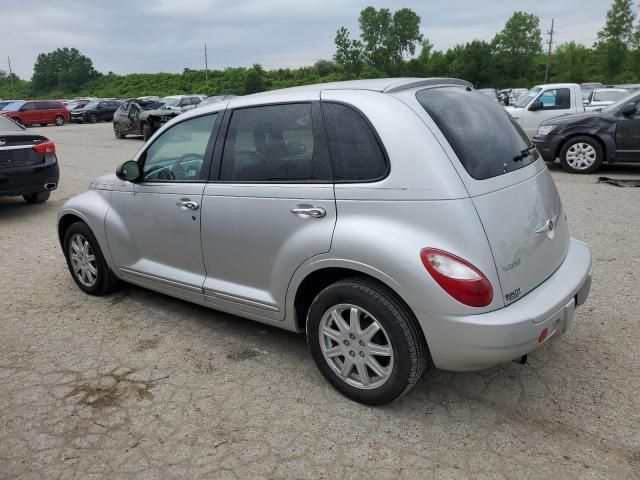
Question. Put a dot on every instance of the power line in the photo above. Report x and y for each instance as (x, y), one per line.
(550, 33)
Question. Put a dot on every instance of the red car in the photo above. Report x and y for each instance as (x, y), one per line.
(37, 112)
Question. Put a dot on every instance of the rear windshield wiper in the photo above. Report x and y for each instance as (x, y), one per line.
(524, 153)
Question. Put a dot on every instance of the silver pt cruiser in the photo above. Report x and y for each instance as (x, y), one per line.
(398, 222)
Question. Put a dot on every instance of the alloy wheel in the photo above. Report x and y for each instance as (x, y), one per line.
(581, 156)
(83, 260)
(356, 346)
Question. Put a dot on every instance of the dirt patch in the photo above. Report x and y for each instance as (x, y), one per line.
(245, 354)
(147, 344)
(110, 389)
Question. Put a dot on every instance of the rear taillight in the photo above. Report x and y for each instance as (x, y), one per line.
(45, 147)
(457, 277)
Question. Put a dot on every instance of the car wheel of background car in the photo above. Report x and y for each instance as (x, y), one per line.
(146, 132)
(93, 118)
(117, 131)
(86, 262)
(581, 155)
(365, 341)
(39, 197)
(59, 120)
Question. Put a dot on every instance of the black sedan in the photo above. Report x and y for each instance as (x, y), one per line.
(585, 140)
(28, 163)
(94, 112)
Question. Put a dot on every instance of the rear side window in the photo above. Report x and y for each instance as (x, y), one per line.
(356, 154)
(485, 138)
(55, 105)
(275, 143)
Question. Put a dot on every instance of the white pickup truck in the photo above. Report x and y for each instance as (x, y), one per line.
(546, 101)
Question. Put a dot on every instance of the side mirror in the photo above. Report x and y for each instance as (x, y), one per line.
(628, 109)
(128, 171)
(536, 105)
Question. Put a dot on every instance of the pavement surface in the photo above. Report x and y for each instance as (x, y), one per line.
(137, 385)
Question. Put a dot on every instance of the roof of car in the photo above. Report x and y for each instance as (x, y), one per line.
(385, 85)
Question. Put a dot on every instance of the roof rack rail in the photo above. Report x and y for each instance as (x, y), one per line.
(426, 82)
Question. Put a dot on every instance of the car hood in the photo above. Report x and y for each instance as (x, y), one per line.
(104, 182)
(513, 111)
(161, 112)
(584, 117)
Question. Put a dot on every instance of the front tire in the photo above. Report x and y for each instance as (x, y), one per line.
(581, 155)
(365, 341)
(86, 262)
(39, 197)
(93, 118)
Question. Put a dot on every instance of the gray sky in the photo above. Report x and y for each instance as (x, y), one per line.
(167, 35)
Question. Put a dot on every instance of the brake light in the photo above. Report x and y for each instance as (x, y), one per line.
(45, 147)
(457, 277)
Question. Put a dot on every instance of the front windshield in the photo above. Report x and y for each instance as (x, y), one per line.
(632, 97)
(525, 98)
(12, 107)
(609, 95)
(91, 105)
(170, 101)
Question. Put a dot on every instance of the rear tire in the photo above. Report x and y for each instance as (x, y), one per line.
(39, 197)
(386, 377)
(146, 132)
(101, 280)
(59, 120)
(117, 131)
(581, 155)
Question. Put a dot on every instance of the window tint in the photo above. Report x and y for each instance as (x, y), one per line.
(355, 152)
(485, 138)
(195, 100)
(556, 99)
(28, 107)
(55, 105)
(178, 154)
(274, 143)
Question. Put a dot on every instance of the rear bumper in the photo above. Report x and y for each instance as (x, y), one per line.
(29, 178)
(473, 342)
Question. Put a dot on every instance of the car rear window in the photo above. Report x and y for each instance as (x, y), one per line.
(483, 135)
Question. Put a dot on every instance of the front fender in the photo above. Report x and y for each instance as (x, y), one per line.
(91, 207)
(606, 134)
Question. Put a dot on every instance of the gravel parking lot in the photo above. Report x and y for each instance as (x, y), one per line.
(140, 385)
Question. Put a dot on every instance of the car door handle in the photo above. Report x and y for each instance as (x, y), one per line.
(315, 212)
(190, 204)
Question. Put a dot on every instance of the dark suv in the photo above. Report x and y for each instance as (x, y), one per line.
(28, 163)
(140, 117)
(94, 112)
(585, 140)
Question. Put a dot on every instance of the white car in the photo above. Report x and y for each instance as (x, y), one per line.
(596, 99)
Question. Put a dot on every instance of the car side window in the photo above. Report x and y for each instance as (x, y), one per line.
(356, 154)
(556, 99)
(28, 107)
(195, 100)
(184, 102)
(275, 143)
(178, 154)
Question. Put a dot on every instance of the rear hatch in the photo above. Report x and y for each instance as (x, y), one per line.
(16, 149)
(513, 192)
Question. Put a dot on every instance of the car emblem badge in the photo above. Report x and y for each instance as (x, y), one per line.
(546, 228)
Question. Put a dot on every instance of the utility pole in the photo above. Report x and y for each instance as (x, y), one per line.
(550, 33)
(11, 76)
(206, 65)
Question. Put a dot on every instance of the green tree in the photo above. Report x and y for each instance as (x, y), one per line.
(349, 52)
(254, 81)
(474, 62)
(616, 38)
(385, 40)
(572, 62)
(64, 69)
(516, 47)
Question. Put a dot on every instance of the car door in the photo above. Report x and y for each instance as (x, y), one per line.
(153, 226)
(271, 208)
(555, 102)
(29, 113)
(628, 135)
